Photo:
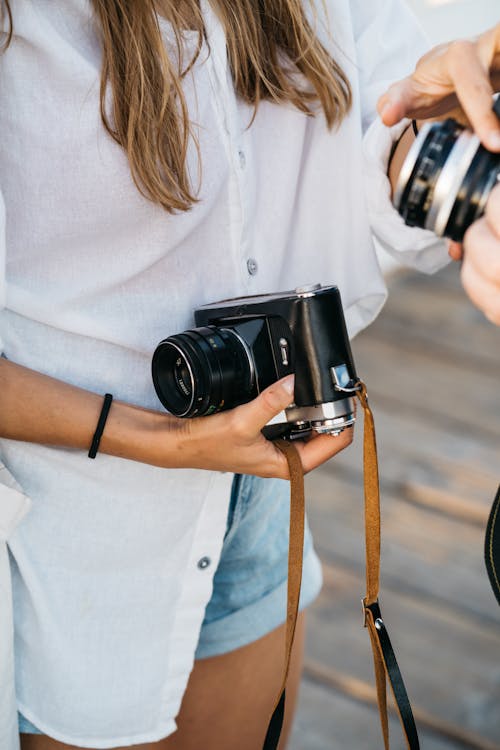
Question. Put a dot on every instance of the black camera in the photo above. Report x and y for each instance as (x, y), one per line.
(242, 345)
(446, 179)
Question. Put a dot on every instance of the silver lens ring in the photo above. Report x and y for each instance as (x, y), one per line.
(450, 181)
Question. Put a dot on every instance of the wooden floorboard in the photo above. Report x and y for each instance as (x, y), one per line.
(432, 366)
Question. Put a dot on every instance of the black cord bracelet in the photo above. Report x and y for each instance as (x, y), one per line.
(415, 127)
(108, 398)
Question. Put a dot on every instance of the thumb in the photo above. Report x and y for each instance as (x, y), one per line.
(398, 101)
(257, 413)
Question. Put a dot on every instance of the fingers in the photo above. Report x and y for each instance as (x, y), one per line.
(254, 415)
(318, 450)
(481, 268)
(399, 101)
(465, 69)
(470, 78)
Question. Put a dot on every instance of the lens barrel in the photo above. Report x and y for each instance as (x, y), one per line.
(445, 180)
(202, 371)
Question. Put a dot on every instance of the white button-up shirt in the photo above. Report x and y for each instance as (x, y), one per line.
(108, 595)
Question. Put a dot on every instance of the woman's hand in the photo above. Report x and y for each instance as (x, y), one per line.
(481, 264)
(465, 73)
(232, 440)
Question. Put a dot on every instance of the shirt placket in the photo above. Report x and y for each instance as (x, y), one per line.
(239, 152)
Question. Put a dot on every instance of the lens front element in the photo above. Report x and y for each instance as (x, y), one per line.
(202, 371)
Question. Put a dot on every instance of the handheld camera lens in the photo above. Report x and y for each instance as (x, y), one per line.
(446, 180)
(202, 371)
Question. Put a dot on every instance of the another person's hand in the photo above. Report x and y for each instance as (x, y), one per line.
(463, 73)
(481, 260)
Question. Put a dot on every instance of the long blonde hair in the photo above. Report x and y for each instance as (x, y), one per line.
(269, 43)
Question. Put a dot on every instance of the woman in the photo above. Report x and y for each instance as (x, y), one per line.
(149, 164)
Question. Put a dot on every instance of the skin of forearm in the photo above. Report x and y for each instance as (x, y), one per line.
(39, 409)
(399, 156)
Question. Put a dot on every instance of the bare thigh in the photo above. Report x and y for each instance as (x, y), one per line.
(228, 700)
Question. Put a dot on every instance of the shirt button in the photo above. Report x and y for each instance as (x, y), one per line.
(242, 158)
(204, 562)
(252, 266)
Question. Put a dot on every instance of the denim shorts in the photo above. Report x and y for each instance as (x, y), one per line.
(250, 583)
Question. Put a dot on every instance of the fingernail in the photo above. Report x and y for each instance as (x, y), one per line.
(493, 140)
(288, 384)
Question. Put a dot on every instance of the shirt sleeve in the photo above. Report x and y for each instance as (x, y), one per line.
(389, 41)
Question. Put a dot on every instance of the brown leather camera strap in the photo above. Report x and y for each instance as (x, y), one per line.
(295, 554)
(384, 659)
(385, 664)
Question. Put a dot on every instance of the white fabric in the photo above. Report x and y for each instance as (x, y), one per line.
(13, 507)
(108, 597)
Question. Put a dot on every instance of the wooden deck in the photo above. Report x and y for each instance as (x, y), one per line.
(432, 366)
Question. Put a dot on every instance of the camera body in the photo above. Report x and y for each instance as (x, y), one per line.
(446, 179)
(241, 346)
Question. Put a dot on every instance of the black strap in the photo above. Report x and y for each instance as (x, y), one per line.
(395, 677)
(275, 725)
(492, 545)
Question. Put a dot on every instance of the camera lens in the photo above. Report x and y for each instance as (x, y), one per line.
(202, 371)
(445, 180)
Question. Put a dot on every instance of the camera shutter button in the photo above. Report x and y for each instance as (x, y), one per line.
(252, 266)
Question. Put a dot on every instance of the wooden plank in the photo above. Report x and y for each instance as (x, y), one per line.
(437, 315)
(450, 664)
(460, 470)
(329, 721)
(418, 382)
(365, 693)
(435, 557)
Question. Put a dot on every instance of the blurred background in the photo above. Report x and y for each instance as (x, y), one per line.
(432, 365)
(449, 19)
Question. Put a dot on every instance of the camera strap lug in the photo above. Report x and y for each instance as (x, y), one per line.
(342, 380)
